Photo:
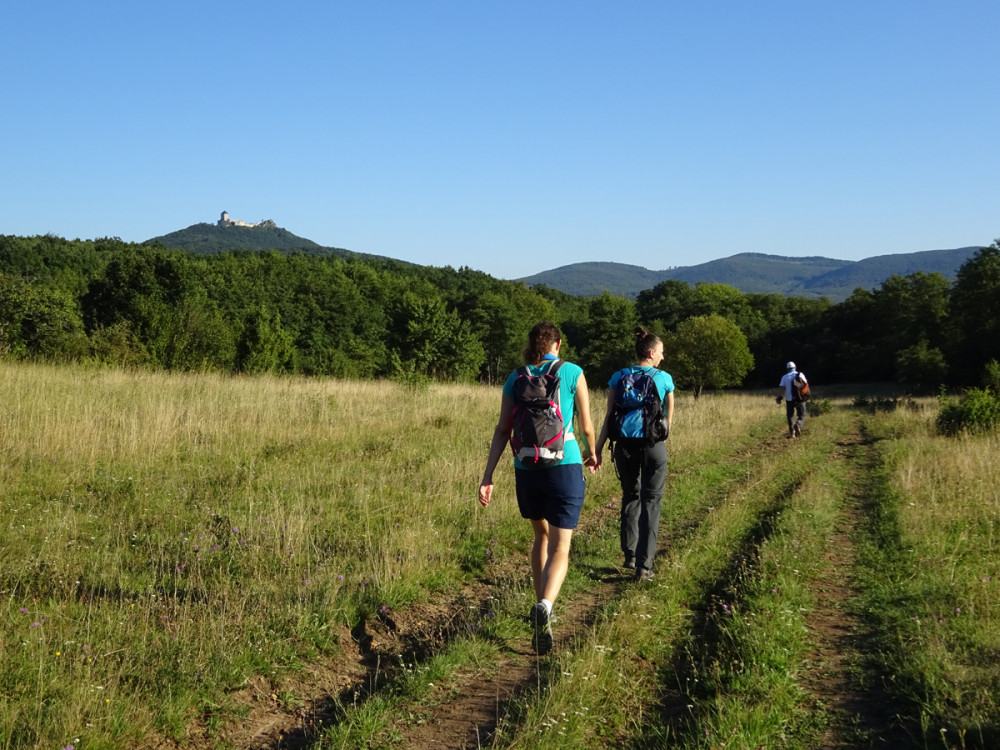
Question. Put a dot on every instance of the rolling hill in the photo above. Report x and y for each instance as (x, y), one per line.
(756, 272)
(212, 238)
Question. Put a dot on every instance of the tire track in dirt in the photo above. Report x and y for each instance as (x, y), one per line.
(860, 712)
(471, 719)
(479, 707)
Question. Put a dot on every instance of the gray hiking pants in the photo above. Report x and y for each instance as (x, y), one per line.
(643, 473)
(796, 413)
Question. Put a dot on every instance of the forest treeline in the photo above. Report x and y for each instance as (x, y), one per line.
(109, 301)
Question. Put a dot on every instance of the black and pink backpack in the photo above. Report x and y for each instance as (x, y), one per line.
(537, 431)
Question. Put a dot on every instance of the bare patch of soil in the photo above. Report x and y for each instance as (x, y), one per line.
(286, 713)
(475, 707)
(469, 719)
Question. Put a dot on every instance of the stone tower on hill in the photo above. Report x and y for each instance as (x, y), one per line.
(225, 221)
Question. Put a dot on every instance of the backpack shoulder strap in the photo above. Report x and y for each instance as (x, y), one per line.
(555, 366)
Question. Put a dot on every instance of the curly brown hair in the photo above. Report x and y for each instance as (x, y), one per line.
(540, 341)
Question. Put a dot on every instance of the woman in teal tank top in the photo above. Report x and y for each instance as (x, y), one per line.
(551, 497)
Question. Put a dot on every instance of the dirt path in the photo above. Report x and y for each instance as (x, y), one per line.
(471, 718)
(478, 706)
(861, 714)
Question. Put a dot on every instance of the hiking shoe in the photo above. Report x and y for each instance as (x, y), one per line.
(644, 574)
(797, 431)
(541, 623)
(629, 562)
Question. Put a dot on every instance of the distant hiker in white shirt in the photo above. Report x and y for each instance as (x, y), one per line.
(795, 407)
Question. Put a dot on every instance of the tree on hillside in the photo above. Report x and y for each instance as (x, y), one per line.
(669, 302)
(143, 288)
(849, 349)
(264, 346)
(609, 337)
(921, 367)
(198, 337)
(431, 340)
(862, 338)
(975, 315)
(501, 322)
(707, 351)
(913, 310)
(791, 325)
(731, 304)
(36, 321)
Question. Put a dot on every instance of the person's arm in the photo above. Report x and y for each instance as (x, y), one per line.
(670, 410)
(603, 437)
(501, 437)
(582, 401)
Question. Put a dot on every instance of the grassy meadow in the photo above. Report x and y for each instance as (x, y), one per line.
(168, 542)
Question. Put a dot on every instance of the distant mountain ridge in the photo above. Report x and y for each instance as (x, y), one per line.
(812, 276)
(756, 273)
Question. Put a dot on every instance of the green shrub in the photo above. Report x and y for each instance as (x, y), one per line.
(819, 407)
(978, 411)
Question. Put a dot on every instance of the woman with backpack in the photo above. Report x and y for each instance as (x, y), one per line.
(537, 408)
(637, 420)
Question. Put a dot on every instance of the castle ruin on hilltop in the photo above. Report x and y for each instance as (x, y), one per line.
(225, 221)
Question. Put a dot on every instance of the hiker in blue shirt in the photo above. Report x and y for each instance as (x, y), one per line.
(550, 497)
(641, 465)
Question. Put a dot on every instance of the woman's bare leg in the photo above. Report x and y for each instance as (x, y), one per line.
(549, 558)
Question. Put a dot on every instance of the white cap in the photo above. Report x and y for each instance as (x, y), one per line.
(790, 365)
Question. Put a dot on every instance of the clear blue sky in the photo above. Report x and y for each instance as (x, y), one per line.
(511, 136)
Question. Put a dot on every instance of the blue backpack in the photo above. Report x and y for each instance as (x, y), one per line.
(537, 430)
(637, 415)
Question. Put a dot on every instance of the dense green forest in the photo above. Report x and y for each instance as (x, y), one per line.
(108, 301)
